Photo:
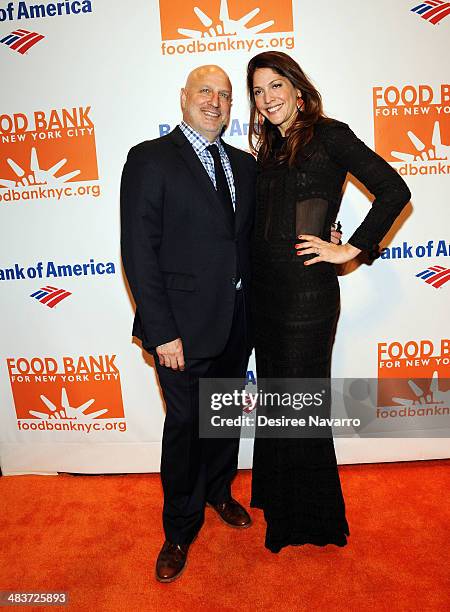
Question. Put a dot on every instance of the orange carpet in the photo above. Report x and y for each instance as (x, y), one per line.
(98, 537)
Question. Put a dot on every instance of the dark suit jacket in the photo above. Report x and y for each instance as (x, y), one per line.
(179, 252)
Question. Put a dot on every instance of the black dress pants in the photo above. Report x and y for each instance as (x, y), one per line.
(197, 470)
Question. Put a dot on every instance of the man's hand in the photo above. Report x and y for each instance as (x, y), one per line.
(171, 354)
(336, 233)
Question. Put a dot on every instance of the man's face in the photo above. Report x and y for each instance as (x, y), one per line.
(206, 101)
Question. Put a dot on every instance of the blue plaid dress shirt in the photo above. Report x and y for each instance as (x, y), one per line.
(199, 144)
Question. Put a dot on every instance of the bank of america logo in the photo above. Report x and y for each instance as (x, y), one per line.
(50, 296)
(21, 40)
(433, 11)
(435, 276)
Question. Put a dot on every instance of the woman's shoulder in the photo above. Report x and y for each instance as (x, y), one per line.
(335, 136)
(330, 127)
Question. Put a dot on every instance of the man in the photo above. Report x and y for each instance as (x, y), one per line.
(187, 207)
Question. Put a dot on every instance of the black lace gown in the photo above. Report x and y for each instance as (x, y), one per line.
(295, 310)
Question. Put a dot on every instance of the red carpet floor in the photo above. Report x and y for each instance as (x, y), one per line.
(98, 537)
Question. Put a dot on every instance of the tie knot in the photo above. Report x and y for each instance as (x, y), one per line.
(214, 150)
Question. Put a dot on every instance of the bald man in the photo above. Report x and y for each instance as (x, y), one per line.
(187, 206)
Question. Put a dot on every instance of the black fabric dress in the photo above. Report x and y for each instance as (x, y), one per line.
(295, 310)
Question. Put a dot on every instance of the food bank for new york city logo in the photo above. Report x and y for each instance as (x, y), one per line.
(47, 148)
(406, 371)
(82, 388)
(208, 22)
(412, 128)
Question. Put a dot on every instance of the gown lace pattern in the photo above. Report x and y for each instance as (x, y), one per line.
(295, 311)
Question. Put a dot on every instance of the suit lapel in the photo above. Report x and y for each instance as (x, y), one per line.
(201, 177)
(238, 206)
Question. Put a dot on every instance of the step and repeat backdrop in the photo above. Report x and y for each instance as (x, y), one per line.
(82, 82)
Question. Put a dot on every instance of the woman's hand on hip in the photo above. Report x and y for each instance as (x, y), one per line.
(325, 251)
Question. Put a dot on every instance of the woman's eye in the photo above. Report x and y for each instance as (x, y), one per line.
(277, 85)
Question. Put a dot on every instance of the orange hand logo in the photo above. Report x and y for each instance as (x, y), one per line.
(38, 176)
(433, 396)
(438, 151)
(66, 411)
(226, 26)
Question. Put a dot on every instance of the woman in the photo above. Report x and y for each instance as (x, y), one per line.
(303, 160)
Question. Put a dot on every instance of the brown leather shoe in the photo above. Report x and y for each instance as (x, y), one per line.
(171, 561)
(233, 514)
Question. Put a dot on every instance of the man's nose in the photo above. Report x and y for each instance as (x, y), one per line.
(214, 99)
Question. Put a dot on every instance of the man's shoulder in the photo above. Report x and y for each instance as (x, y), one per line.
(240, 155)
(150, 150)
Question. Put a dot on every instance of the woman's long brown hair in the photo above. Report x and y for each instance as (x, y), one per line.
(261, 137)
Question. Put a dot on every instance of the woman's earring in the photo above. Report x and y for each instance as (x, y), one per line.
(300, 103)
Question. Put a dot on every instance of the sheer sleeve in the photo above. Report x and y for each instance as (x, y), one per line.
(390, 190)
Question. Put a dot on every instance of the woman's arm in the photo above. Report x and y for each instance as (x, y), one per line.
(390, 191)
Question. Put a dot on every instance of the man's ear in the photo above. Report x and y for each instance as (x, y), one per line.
(183, 98)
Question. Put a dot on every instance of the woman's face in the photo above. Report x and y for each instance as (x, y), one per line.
(275, 97)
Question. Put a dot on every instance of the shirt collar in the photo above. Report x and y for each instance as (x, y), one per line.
(199, 142)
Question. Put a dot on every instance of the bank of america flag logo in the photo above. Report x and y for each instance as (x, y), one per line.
(21, 40)
(50, 296)
(433, 11)
(436, 276)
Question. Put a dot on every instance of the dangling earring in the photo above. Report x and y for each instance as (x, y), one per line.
(301, 104)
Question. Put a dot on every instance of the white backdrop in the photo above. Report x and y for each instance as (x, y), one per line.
(75, 393)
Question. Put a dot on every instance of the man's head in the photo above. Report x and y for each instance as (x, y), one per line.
(206, 101)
